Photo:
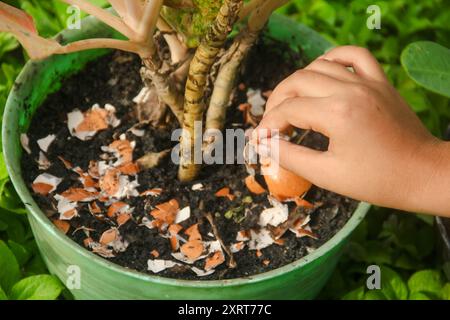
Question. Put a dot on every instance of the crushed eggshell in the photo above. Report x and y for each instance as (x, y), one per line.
(25, 142)
(253, 186)
(159, 265)
(151, 192)
(183, 215)
(225, 192)
(62, 225)
(43, 162)
(192, 249)
(193, 233)
(45, 183)
(109, 236)
(214, 260)
(86, 125)
(197, 187)
(45, 143)
(79, 194)
(260, 239)
(202, 273)
(274, 216)
(236, 247)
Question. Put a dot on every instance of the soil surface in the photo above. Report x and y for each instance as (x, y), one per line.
(114, 79)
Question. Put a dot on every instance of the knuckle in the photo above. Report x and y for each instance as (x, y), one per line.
(361, 91)
(342, 108)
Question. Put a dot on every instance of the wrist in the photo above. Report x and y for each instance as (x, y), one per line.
(432, 188)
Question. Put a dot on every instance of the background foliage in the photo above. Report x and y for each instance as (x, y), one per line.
(404, 245)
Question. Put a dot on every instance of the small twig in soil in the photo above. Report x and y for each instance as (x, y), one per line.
(231, 262)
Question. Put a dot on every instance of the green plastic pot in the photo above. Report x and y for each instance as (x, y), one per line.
(100, 279)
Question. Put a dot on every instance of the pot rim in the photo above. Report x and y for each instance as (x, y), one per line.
(33, 209)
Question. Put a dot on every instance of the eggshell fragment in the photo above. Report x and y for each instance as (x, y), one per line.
(159, 265)
(166, 212)
(225, 192)
(253, 185)
(213, 261)
(284, 184)
(62, 225)
(192, 249)
(45, 183)
(45, 143)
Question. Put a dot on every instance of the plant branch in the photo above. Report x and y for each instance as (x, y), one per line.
(87, 44)
(149, 19)
(226, 79)
(249, 7)
(104, 16)
(178, 51)
(152, 74)
(194, 104)
(260, 12)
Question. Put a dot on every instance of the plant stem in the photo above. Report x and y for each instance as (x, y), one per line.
(153, 75)
(87, 44)
(104, 16)
(226, 79)
(178, 51)
(194, 104)
(260, 13)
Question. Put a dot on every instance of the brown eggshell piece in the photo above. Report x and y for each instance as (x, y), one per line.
(284, 184)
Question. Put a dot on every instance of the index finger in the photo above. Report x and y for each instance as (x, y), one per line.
(360, 59)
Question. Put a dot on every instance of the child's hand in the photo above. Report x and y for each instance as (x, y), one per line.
(379, 150)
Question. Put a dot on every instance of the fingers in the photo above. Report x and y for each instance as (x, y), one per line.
(300, 160)
(360, 59)
(332, 69)
(302, 112)
(304, 83)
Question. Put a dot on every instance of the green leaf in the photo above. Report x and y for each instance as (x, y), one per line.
(20, 252)
(41, 287)
(7, 43)
(428, 64)
(419, 296)
(3, 295)
(445, 295)
(374, 295)
(9, 268)
(357, 294)
(392, 285)
(426, 281)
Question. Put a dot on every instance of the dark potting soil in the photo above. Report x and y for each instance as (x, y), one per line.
(115, 79)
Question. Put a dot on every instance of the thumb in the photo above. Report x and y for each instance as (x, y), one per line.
(301, 160)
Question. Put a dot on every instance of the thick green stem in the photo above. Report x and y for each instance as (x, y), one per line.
(194, 104)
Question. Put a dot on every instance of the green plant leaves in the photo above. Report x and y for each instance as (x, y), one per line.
(3, 295)
(9, 268)
(426, 282)
(41, 287)
(428, 64)
(392, 285)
